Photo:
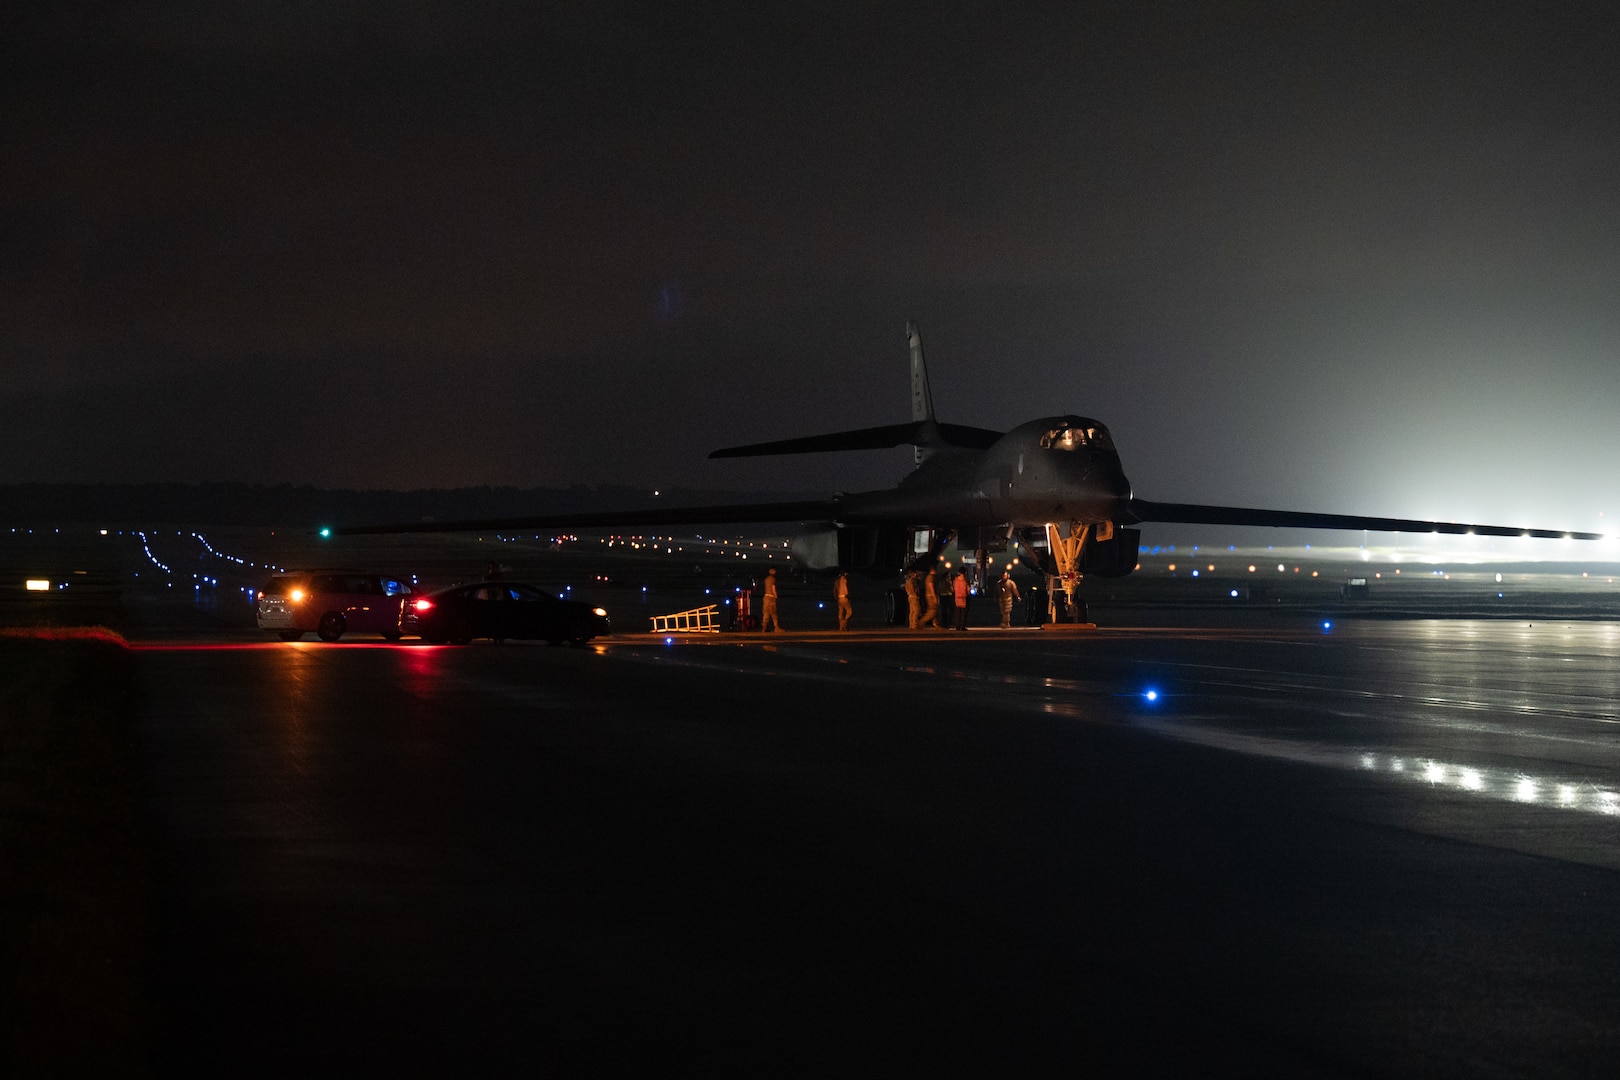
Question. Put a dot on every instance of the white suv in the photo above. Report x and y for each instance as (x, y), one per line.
(332, 603)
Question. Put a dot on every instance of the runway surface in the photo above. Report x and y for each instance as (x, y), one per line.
(1371, 848)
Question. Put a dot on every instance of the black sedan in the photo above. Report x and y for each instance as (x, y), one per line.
(501, 609)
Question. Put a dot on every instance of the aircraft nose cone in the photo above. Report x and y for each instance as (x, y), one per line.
(1110, 479)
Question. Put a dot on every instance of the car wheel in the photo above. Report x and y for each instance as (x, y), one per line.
(461, 632)
(331, 626)
(291, 635)
(578, 635)
(391, 635)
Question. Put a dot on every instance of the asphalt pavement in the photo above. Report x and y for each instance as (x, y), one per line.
(1374, 848)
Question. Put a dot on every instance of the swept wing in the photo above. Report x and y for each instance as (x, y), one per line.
(1140, 510)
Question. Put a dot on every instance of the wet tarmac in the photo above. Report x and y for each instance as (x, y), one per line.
(1376, 847)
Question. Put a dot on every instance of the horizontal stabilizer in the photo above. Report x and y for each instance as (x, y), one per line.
(874, 438)
(1141, 510)
(744, 513)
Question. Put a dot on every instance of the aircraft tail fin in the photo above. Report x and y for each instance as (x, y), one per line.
(923, 432)
(927, 437)
(922, 401)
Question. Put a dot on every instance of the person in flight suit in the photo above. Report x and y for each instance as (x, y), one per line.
(913, 602)
(1006, 593)
(768, 621)
(841, 594)
(959, 593)
(930, 615)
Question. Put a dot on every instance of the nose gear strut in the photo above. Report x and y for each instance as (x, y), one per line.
(1061, 560)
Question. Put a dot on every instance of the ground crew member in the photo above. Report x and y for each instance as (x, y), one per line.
(768, 621)
(959, 593)
(930, 615)
(1006, 593)
(841, 593)
(913, 603)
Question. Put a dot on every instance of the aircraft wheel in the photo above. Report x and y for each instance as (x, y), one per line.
(331, 626)
(291, 635)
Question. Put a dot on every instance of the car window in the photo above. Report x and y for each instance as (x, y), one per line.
(525, 592)
(487, 592)
(391, 587)
(281, 586)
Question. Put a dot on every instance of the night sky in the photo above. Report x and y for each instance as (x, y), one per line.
(1359, 258)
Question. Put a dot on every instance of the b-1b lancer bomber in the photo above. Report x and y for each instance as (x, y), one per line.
(1054, 486)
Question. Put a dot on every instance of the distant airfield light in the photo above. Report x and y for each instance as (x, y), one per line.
(1470, 779)
(1234, 593)
(326, 533)
(1279, 568)
(103, 532)
(1172, 568)
(1327, 626)
(37, 585)
(1525, 790)
(1195, 573)
(1150, 695)
(1499, 579)
(1251, 568)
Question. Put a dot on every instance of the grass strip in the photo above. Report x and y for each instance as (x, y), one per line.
(75, 872)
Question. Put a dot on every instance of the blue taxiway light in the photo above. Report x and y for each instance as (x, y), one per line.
(1151, 695)
(1327, 626)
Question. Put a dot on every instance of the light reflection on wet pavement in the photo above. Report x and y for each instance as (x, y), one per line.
(1314, 850)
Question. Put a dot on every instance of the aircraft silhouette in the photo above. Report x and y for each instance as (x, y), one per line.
(1055, 486)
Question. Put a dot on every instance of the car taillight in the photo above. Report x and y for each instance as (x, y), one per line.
(296, 596)
(260, 596)
(423, 605)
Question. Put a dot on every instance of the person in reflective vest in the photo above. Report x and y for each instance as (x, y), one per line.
(768, 621)
(841, 594)
(959, 593)
(930, 615)
(1006, 593)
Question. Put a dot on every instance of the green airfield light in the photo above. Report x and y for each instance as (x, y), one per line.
(326, 532)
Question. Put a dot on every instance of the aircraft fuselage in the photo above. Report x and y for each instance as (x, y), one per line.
(1061, 468)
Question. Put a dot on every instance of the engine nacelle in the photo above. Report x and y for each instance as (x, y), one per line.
(1114, 557)
(879, 549)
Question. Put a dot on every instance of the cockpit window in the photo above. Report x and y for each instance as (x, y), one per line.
(1074, 437)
